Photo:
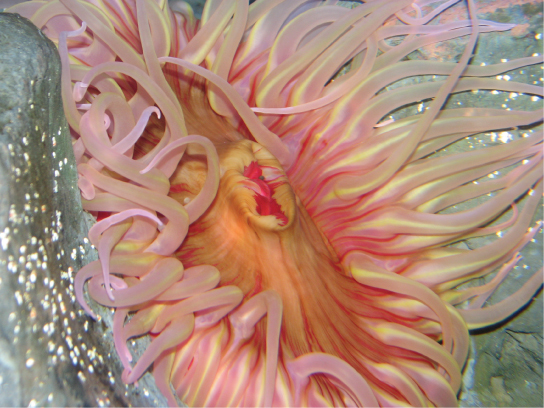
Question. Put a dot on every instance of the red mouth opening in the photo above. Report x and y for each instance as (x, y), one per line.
(266, 204)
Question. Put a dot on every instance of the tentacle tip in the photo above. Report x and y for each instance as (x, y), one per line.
(79, 90)
(125, 376)
(86, 188)
(110, 293)
(89, 312)
(146, 170)
(79, 31)
(84, 305)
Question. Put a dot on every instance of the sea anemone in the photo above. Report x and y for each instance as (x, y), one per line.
(269, 211)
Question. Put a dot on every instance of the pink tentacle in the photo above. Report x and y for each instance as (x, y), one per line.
(350, 380)
(178, 330)
(105, 245)
(203, 200)
(162, 367)
(223, 296)
(119, 341)
(366, 272)
(131, 138)
(261, 133)
(267, 303)
(398, 335)
(175, 230)
(163, 275)
(128, 265)
(498, 312)
(101, 226)
(196, 280)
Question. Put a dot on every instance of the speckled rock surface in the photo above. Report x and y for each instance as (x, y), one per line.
(50, 354)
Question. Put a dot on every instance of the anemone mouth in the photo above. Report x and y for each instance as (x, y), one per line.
(255, 217)
(282, 244)
(258, 186)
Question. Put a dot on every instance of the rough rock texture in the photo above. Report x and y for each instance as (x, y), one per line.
(50, 355)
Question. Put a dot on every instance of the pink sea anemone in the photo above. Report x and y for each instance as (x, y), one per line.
(260, 216)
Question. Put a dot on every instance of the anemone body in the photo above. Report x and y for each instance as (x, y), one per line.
(264, 219)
